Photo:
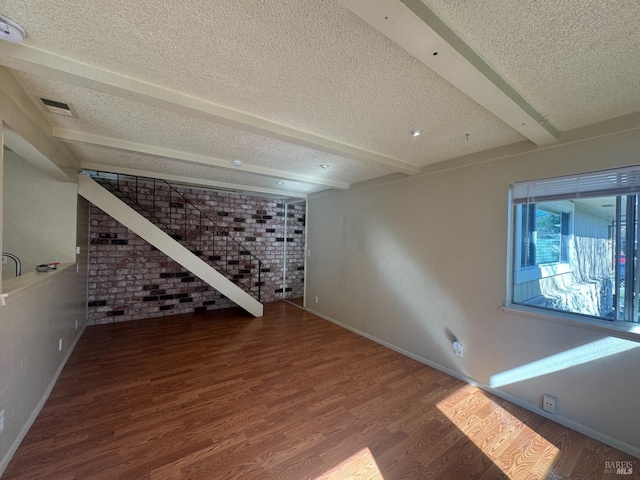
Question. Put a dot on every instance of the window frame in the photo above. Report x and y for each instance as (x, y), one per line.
(625, 330)
(620, 329)
(528, 273)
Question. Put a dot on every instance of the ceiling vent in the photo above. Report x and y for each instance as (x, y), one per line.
(58, 108)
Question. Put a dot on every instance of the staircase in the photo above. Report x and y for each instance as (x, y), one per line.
(157, 212)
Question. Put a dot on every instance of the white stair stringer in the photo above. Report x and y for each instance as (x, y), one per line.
(131, 219)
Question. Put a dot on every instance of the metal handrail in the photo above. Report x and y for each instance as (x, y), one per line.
(176, 233)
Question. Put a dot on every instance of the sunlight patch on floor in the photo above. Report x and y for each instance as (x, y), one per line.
(516, 449)
(359, 465)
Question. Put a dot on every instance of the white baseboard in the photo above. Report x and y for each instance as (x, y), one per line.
(36, 411)
(578, 427)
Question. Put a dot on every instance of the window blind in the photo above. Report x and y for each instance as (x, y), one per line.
(619, 181)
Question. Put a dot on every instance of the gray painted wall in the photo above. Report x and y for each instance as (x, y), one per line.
(31, 325)
(421, 261)
(32, 322)
(39, 216)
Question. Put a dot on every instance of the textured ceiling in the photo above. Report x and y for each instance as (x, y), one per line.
(164, 166)
(305, 64)
(576, 61)
(110, 116)
(316, 67)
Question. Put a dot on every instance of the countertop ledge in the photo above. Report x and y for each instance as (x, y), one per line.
(29, 279)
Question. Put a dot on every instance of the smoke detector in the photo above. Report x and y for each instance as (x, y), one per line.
(11, 31)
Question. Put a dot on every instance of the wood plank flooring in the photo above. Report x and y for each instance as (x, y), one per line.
(288, 396)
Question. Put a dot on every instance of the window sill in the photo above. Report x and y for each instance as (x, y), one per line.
(625, 331)
(528, 274)
(29, 279)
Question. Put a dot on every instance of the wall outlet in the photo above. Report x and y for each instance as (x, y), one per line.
(458, 349)
(1, 420)
(316, 299)
(308, 252)
(4, 259)
(77, 250)
(549, 403)
(60, 345)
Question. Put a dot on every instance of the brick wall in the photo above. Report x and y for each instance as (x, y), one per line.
(296, 220)
(129, 279)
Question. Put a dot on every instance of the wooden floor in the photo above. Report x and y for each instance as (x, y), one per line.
(288, 396)
(297, 301)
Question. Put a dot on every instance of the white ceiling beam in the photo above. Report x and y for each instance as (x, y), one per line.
(416, 29)
(31, 60)
(126, 146)
(26, 151)
(29, 133)
(239, 188)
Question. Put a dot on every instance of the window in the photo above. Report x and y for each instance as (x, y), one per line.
(544, 234)
(575, 244)
(549, 236)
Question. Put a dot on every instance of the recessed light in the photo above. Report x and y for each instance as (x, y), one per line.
(416, 133)
(280, 183)
(325, 166)
(237, 163)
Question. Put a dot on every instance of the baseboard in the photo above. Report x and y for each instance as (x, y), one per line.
(36, 411)
(578, 427)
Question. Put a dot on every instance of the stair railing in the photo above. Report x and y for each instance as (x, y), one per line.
(218, 247)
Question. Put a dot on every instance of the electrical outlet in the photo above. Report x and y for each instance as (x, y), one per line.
(549, 403)
(458, 349)
(60, 345)
(4, 259)
(308, 252)
(1, 420)
(77, 250)
(316, 299)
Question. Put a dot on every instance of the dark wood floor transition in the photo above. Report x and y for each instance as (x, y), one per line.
(287, 396)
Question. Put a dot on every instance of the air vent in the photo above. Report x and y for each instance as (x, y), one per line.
(58, 108)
